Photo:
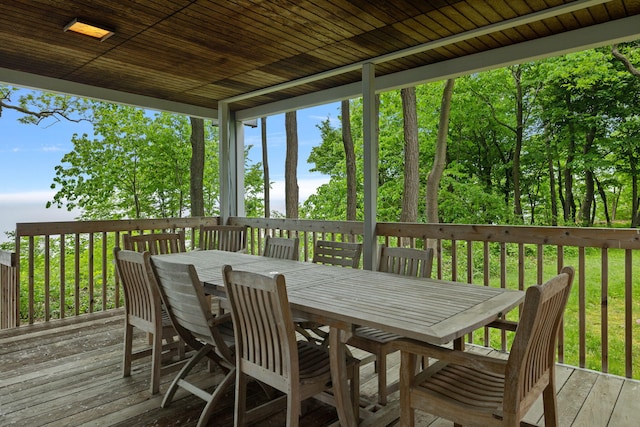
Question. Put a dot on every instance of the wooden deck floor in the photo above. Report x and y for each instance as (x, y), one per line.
(68, 373)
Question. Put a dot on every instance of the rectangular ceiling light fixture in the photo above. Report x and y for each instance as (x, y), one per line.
(88, 30)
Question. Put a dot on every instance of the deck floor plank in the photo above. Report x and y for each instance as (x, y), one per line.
(625, 412)
(598, 406)
(70, 373)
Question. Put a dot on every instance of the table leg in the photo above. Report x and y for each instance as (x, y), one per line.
(339, 377)
(458, 344)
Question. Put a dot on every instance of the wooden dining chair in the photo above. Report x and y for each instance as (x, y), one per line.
(156, 243)
(143, 310)
(211, 336)
(281, 248)
(231, 238)
(345, 254)
(327, 252)
(405, 262)
(474, 389)
(267, 349)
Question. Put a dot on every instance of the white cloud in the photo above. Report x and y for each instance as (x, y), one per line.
(29, 207)
(51, 148)
(27, 197)
(306, 186)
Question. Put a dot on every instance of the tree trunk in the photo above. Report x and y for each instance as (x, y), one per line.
(589, 190)
(517, 205)
(265, 168)
(197, 166)
(560, 186)
(440, 158)
(552, 183)
(569, 203)
(411, 156)
(291, 166)
(635, 200)
(350, 158)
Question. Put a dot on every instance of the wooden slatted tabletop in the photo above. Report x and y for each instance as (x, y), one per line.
(435, 311)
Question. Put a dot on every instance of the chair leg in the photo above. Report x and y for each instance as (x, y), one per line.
(128, 347)
(156, 354)
(381, 362)
(550, 405)
(215, 398)
(294, 408)
(241, 400)
(168, 397)
(355, 389)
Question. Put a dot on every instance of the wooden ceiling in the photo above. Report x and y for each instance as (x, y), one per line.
(201, 52)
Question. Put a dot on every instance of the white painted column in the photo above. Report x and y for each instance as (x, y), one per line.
(231, 159)
(239, 168)
(370, 140)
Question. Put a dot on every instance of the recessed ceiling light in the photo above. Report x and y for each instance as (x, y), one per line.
(87, 29)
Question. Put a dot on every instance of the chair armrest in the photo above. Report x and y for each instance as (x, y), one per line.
(221, 319)
(472, 360)
(505, 325)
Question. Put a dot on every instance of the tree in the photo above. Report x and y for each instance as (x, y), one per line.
(291, 165)
(439, 163)
(39, 106)
(265, 168)
(197, 166)
(350, 160)
(411, 156)
(137, 167)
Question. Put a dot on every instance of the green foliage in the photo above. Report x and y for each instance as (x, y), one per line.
(138, 166)
(580, 115)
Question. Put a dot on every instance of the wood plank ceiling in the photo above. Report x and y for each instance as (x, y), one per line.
(200, 52)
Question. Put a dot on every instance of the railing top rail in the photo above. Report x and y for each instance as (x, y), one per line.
(25, 229)
(612, 238)
(302, 225)
(7, 258)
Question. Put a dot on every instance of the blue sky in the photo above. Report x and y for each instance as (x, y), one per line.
(29, 154)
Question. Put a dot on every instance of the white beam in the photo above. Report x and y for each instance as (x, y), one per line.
(370, 165)
(49, 84)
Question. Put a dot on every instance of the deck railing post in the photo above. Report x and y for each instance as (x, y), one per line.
(9, 292)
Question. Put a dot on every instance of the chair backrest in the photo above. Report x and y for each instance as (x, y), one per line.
(183, 296)
(231, 238)
(345, 254)
(263, 326)
(406, 261)
(532, 355)
(143, 305)
(157, 243)
(280, 247)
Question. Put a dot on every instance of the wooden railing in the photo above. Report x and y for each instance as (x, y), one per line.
(65, 269)
(9, 290)
(70, 264)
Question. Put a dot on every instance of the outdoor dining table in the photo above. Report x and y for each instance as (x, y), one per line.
(429, 310)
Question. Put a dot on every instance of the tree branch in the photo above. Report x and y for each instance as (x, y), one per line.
(627, 63)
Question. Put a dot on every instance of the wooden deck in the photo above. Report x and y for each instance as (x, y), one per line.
(68, 373)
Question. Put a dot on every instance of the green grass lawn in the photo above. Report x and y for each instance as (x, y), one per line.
(597, 304)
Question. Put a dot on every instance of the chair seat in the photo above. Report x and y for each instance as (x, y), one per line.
(464, 387)
(313, 360)
(166, 320)
(376, 335)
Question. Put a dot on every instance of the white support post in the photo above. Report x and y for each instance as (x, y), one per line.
(231, 164)
(224, 160)
(239, 168)
(370, 137)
